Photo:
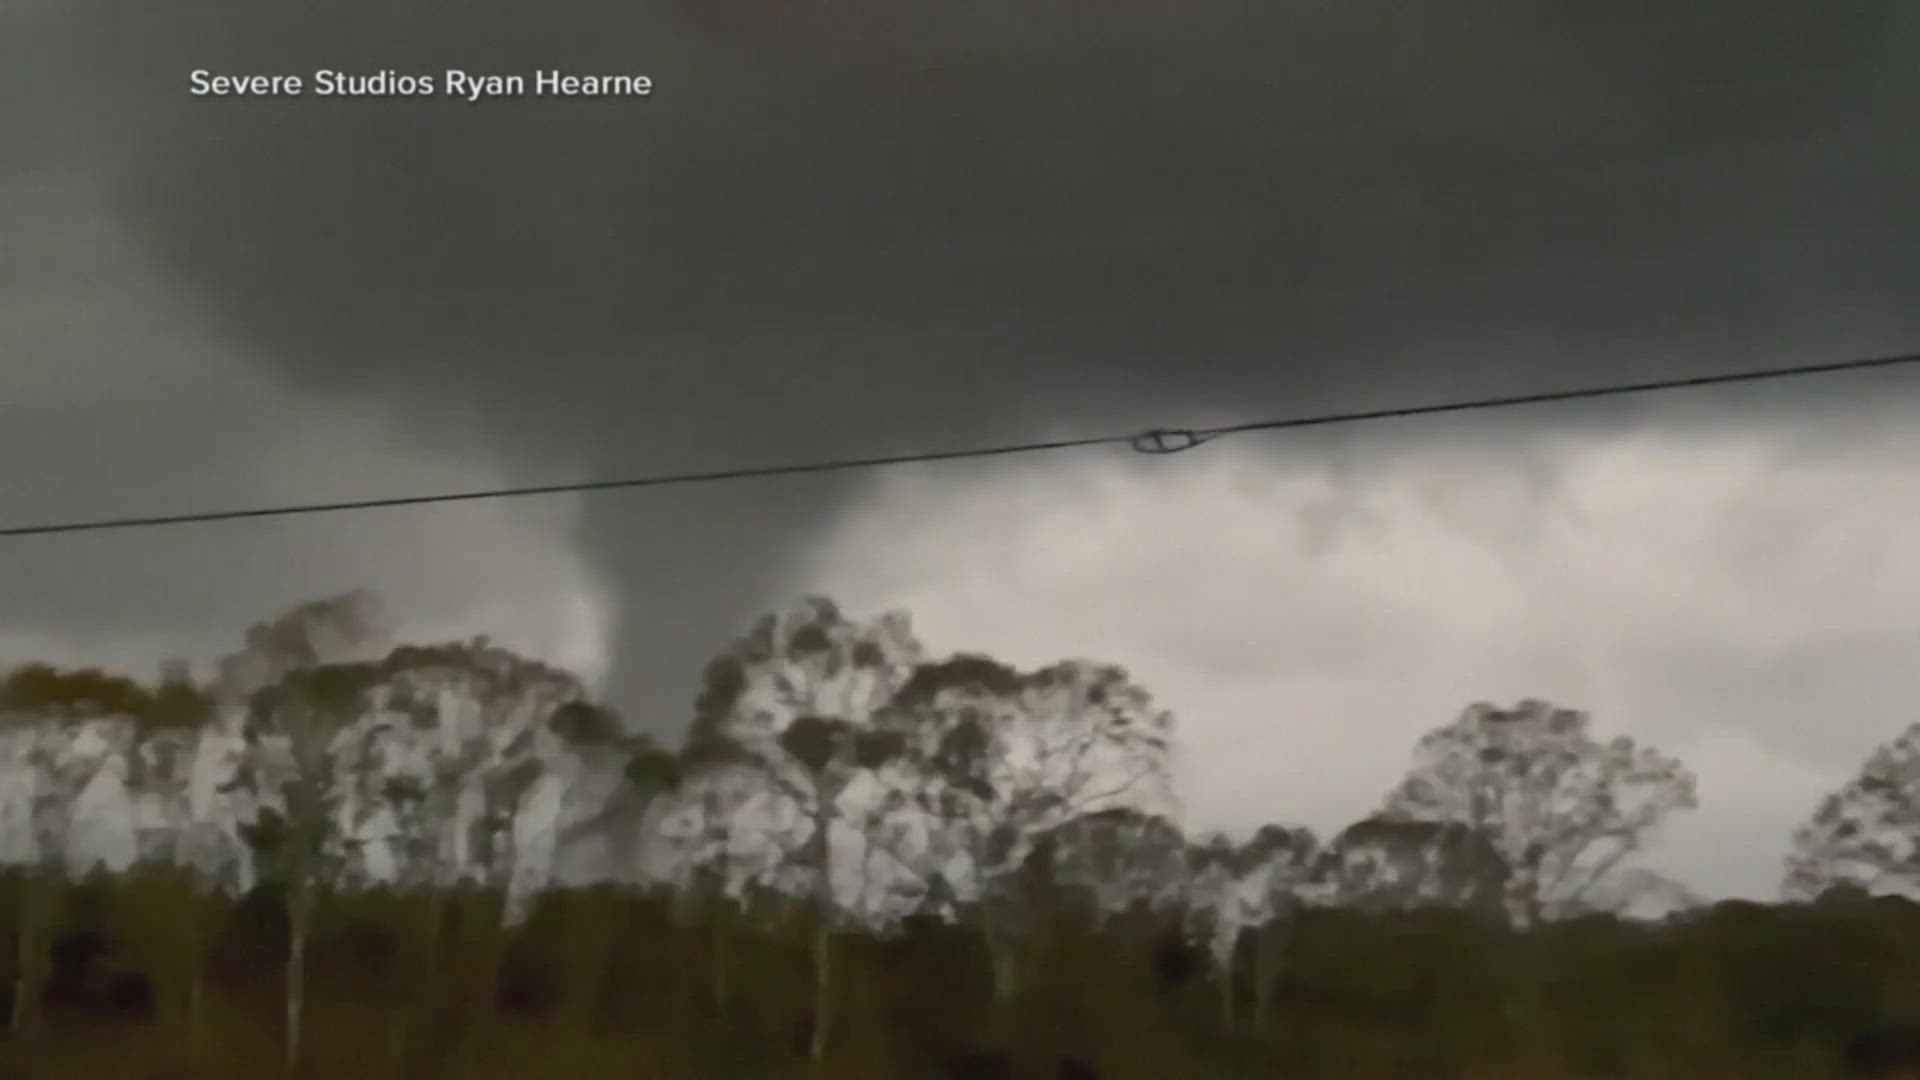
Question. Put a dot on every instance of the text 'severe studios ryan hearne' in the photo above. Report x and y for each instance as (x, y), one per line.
(469, 86)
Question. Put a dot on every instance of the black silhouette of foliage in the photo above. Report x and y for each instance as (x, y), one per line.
(653, 770)
(721, 684)
(815, 741)
(84, 691)
(969, 671)
(175, 703)
(179, 703)
(1390, 864)
(335, 690)
(811, 638)
(586, 724)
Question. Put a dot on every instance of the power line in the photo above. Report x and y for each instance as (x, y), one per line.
(1586, 393)
(1156, 441)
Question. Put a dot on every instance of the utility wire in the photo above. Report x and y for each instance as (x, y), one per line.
(1155, 441)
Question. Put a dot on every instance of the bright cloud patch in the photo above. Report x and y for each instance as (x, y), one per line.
(1736, 599)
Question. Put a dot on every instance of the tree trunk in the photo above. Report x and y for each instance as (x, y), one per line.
(822, 932)
(1226, 991)
(23, 974)
(822, 992)
(480, 1014)
(1269, 954)
(209, 915)
(28, 958)
(397, 1017)
(1006, 973)
(722, 959)
(196, 1004)
(1004, 960)
(587, 942)
(296, 988)
(426, 1013)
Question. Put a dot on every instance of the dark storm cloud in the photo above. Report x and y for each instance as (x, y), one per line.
(869, 226)
(817, 208)
(115, 398)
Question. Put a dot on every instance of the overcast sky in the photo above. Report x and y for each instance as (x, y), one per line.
(858, 226)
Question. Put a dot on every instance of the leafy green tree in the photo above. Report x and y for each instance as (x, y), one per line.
(160, 767)
(346, 627)
(709, 848)
(293, 777)
(1868, 832)
(445, 776)
(1389, 864)
(107, 762)
(174, 861)
(1001, 758)
(795, 700)
(296, 682)
(1563, 809)
(59, 730)
(1251, 888)
(1121, 858)
(647, 775)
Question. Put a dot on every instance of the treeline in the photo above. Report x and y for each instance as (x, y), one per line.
(341, 855)
(613, 982)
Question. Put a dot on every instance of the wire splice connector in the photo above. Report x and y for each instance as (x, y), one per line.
(1165, 441)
